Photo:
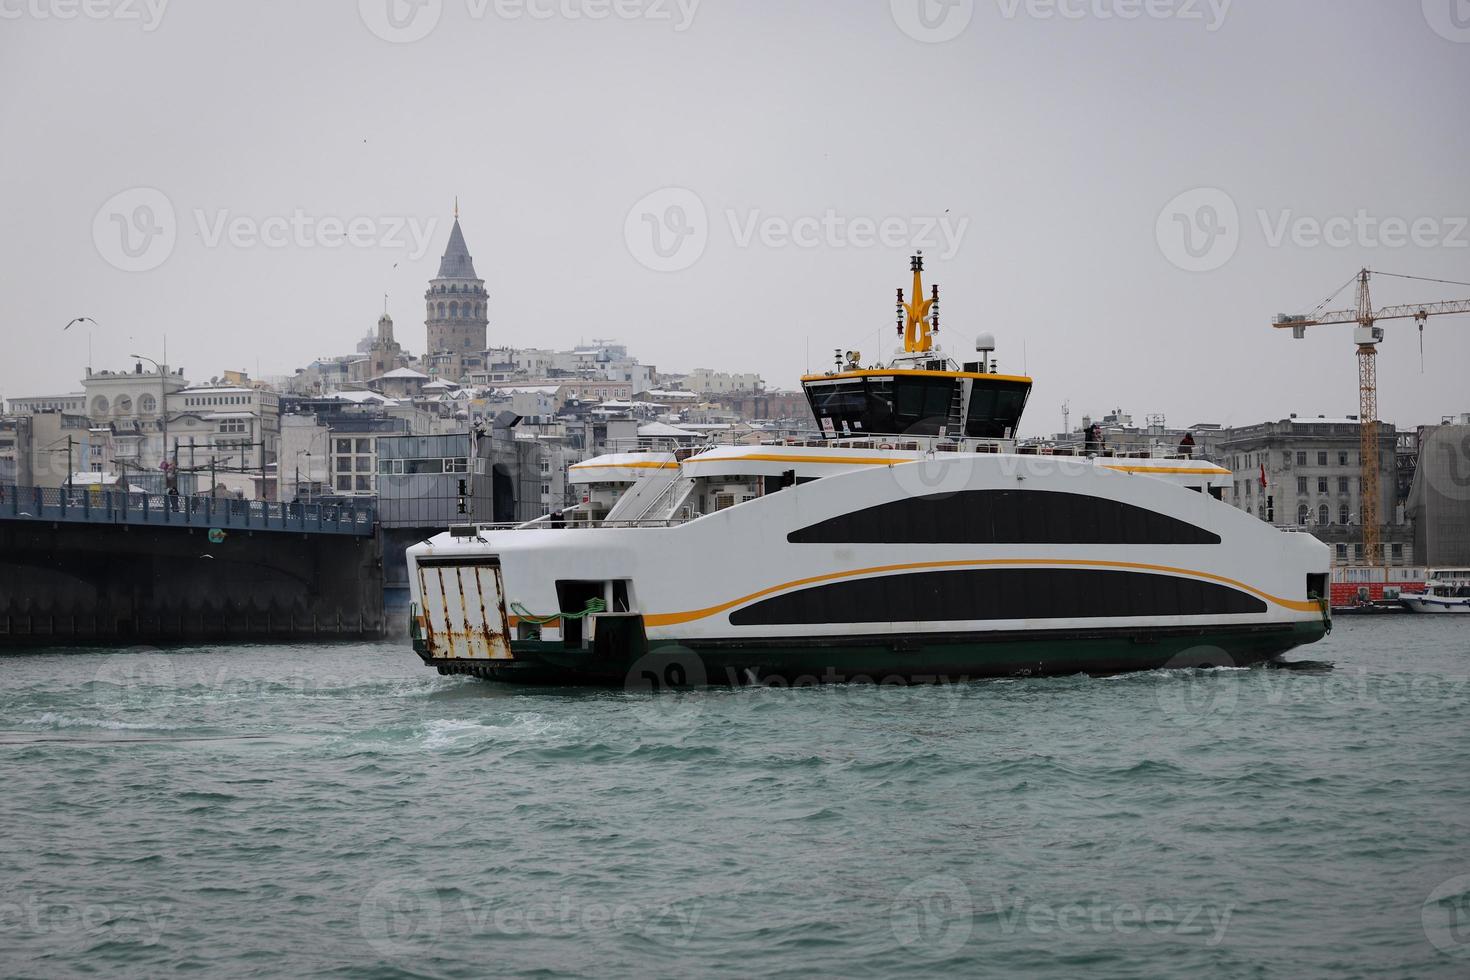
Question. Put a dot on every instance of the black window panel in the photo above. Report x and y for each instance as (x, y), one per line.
(1004, 517)
(920, 404)
(995, 408)
(999, 593)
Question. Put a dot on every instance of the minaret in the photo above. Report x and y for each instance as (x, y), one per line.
(456, 301)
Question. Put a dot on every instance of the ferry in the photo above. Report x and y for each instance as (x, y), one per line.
(1446, 590)
(914, 541)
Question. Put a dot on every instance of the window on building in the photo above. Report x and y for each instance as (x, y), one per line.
(344, 483)
(1301, 459)
(1301, 484)
(1324, 516)
(1342, 484)
(1358, 552)
(1342, 458)
(1321, 484)
(1322, 459)
(1301, 514)
(1342, 514)
(1396, 552)
(1342, 552)
(1286, 460)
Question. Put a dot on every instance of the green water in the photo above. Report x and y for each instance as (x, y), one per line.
(266, 811)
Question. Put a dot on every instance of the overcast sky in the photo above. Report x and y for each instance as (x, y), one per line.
(1123, 192)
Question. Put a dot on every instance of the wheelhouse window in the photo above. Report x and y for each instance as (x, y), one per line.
(917, 404)
(995, 408)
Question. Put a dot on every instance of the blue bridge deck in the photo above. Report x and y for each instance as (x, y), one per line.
(91, 505)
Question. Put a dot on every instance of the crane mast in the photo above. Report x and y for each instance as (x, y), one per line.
(1368, 335)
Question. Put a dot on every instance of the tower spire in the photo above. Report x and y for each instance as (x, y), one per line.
(456, 207)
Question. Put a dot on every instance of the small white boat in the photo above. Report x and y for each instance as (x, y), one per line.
(1447, 590)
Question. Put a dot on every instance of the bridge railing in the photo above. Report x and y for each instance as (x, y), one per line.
(97, 505)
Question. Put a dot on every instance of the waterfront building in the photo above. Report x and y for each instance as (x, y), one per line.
(45, 449)
(229, 427)
(1439, 496)
(1120, 434)
(707, 382)
(1313, 481)
(380, 356)
(74, 403)
(134, 405)
(401, 383)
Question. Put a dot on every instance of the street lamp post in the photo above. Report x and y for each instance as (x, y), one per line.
(162, 401)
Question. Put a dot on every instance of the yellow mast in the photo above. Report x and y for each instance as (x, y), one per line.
(918, 336)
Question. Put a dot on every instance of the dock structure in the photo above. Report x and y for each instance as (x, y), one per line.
(99, 506)
(104, 568)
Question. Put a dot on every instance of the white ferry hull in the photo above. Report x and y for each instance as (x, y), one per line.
(793, 586)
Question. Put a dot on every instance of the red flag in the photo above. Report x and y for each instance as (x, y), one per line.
(1263, 476)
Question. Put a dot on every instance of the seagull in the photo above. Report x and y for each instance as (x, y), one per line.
(80, 319)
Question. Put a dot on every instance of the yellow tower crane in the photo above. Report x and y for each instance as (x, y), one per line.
(1367, 336)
